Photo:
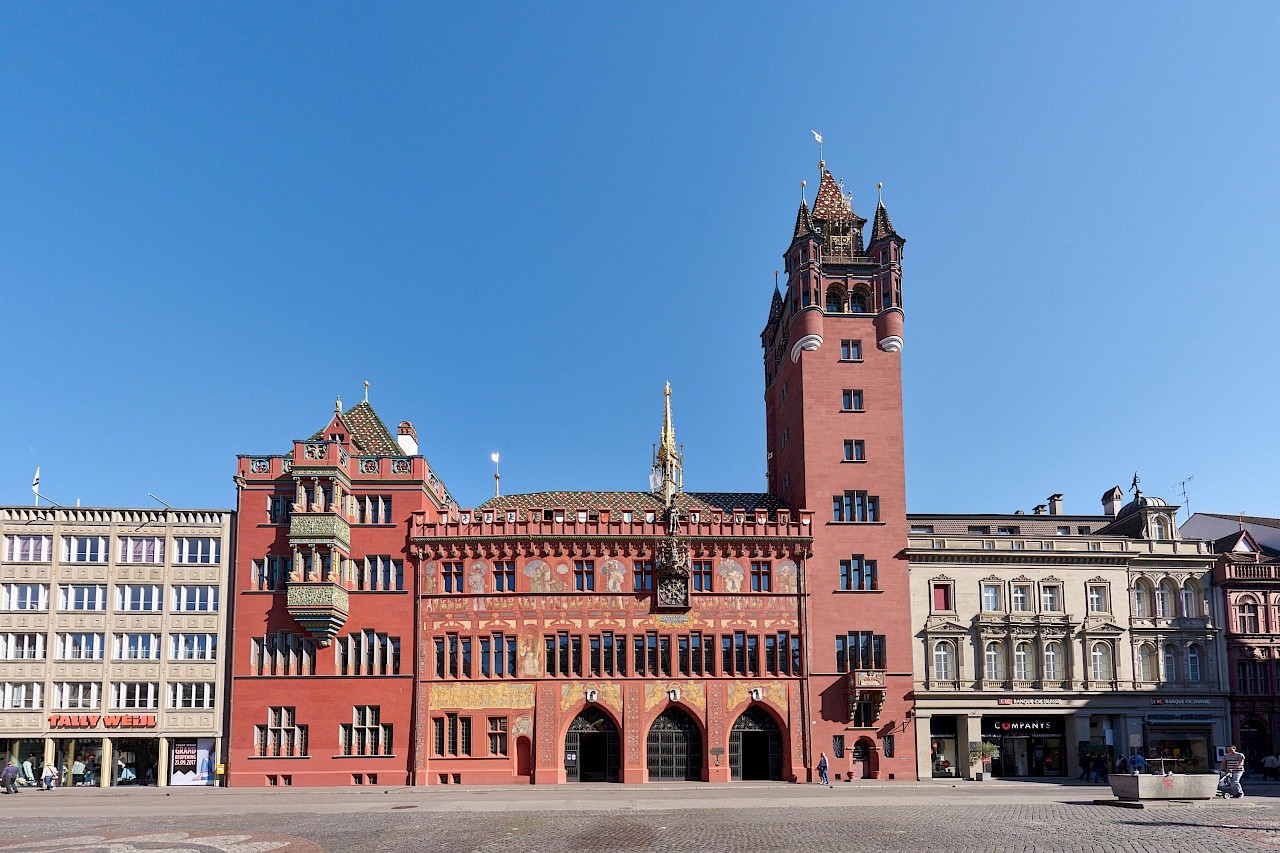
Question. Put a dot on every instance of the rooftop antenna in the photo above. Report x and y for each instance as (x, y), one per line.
(35, 490)
(157, 500)
(1181, 485)
(496, 476)
(366, 390)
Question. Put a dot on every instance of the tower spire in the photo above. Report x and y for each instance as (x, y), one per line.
(667, 477)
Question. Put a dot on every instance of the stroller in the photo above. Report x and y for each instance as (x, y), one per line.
(1224, 786)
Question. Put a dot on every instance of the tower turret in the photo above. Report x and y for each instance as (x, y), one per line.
(667, 477)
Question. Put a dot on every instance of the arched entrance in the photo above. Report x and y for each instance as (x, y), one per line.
(524, 757)
(1253, 741)
(755, 746)
(592, 750)
(674, 748)
(862, 768)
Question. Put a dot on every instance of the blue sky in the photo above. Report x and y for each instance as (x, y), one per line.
(518, 223)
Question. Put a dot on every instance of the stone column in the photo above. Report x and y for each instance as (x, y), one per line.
(162, 763)
(1078, 733)
(924, 746)
(633, 769)
(972, 734)
(547, 769)
(107, 765)
(717, 746)
(50, 754)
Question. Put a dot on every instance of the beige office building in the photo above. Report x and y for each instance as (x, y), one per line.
(112, 643)
(1062, 639)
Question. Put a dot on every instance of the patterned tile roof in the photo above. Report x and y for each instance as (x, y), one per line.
(832, 204)
(775, 308)
(369, 434)
(883, 228)
(723, 501)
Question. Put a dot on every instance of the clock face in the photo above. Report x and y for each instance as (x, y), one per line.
(673, 592)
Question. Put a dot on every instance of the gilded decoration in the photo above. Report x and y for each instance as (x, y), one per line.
(731, 572)
(786, 576)
(774, 691)
(692, 693)
(610, 695)
(622, 604)
(471, 696)
(317, 595)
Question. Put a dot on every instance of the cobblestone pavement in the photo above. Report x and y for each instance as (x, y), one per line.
(1003, 819)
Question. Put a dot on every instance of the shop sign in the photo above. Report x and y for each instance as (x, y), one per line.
(1014, 726)
(110, 721)
(1181, 701)
(192, 762)
(1030, 700)
(1177, 718)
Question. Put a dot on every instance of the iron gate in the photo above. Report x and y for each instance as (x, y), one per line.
(674, 748)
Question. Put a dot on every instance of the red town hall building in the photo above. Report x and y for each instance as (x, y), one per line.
(384, 635)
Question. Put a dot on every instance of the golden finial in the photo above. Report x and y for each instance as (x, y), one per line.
(366, 390)
(879, 197)
(802, 186)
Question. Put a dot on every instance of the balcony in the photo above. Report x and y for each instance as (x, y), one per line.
(319, 528)
(321, 607)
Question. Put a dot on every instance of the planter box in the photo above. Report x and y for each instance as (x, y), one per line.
(1180, 786)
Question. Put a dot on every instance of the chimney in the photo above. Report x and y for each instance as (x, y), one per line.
(408, 439)
(1038, 509)
(1112, 500)
(1055, 504)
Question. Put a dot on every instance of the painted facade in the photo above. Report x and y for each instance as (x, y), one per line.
(112, 643)
(1064, 639)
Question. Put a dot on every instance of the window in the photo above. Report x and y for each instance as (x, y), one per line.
(370, 653)
(138, 597)
(22, 646)
(858, 572)
(643, 576)
(76, 695)
(203, 599)
(373, 509)
(22, 695)
(1051, 598)
(1097, 595)
(1053, 661)
(453, 577)
(584, 575)
(855, 450)
(281, 736)
(279, 509)
(855, 506)
(498, 736)
(1083, 530)
(1252, 678)
(1193, 663)
(28, 549)
(1021, 598)
(922, 529)
(193, 647)
(942, 597)
(701, 576)
(197, 550)
(851, 400)
(83, 597)
(851, 350)
(994, 662)
(283, 653)
(837, 746)
(1159, 528)
(271, 572)
(979, 530)
(498, 656)
(504, 576)
(129, 696)
(1146, 663)
(197, 694)
(786, 435)
(991, 597)
(1165, 598)
(1100, 662)
(944, 661)
(24, 597)
(1013, 530)
(378, 572)
(1024, 662)
(1247, 616)
(1170, 663)
(761, 576)
(860, 650)
(366, 735)
(1064, 530)
(1190, 599)
(452, 735)
(137, 647)
(84, 549)
(141, 550)
(80, 647)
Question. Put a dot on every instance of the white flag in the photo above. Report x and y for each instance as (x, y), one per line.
(494, 457)
(35, 483)
(817, 136)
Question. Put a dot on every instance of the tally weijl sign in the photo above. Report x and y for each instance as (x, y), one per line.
(109, 721)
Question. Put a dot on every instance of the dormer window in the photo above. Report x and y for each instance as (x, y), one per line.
(1159, 528)
(337, 436)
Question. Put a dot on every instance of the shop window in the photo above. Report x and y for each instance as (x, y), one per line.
(282, 736)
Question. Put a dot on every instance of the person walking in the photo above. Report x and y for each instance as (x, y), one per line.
(1100, 768)
(1233, 764)
(9, 778)
(28, 773)
(823, 779)
(77, 771)
(50, 777)
(1086, 768)
(1269, 767)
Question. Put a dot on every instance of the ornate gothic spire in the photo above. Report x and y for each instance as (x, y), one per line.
(883, 228)
(667, 478)
(804, 222)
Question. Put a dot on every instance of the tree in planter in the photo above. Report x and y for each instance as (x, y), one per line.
(981, 752)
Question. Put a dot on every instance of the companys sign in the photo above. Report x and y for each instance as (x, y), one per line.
(110, 721)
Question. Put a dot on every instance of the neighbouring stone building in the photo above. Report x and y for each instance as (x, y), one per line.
(112, 642)
(1062, 638)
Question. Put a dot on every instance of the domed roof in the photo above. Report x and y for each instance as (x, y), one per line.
(1140, 501)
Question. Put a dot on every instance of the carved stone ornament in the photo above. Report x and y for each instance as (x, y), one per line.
(673, 571)
(368, 466)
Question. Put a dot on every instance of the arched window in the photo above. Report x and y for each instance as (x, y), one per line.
(1159, 528)
(1170, 663)
(1100, 661)
(994, 668)
(858, 302)
(1190, 600)
(1146, 663)
(1024, 662)
(1164, 599)
(837, 301)
(1193, 663)
(1053, 662)
(944, 668)
(1247, 615)
(1142, 599)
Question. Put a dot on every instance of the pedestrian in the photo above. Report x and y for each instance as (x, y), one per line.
(77, 771)
(1233, 764)
(1100, 767)
(9, 778)
(28, 772)
(1137, 764)
(1086, 767)
(1122, 766)
(50, 777)
(822, 770)
(1270, 765)
(90, 771)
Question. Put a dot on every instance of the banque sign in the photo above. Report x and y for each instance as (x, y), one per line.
(109, 721)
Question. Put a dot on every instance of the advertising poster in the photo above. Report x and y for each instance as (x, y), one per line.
(192, 762)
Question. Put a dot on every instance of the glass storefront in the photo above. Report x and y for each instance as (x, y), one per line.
(28, 754)
(79, 761)
(137, 761)
(1029, 746)
(1183, 750)
(943, 740)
